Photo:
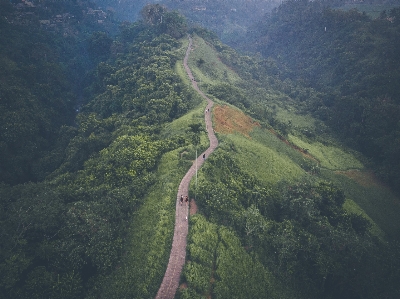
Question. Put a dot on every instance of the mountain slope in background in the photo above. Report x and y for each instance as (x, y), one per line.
(353, 60)
(231, 20)
(228, 19)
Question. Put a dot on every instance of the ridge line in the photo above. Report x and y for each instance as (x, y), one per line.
(177, 256)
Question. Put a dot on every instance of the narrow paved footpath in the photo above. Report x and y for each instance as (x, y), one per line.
(172, 275)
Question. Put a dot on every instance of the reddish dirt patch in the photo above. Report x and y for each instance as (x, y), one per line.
(183, 286)
(364, 178)
(228, 120)
(193, 207)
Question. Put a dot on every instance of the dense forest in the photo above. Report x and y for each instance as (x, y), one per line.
(98, 124)
(353, 60)
(70, 183)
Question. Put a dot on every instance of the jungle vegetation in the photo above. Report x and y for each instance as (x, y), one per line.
(72, 182)
(352, 60)
(99, 124)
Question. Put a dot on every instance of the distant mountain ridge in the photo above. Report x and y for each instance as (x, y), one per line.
(228, 19)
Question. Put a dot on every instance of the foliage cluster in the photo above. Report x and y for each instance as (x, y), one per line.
(299, 234)
(219, 265)
(148, 244)
(65, 234)
(36, 97)
(164, 21)
(44, 69)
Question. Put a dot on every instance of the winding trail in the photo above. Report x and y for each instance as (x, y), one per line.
(177, 256)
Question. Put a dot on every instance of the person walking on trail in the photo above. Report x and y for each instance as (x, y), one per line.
(204, 156)
(187, 199)
(181, 200)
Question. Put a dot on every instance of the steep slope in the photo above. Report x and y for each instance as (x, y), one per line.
(352, 60)
(272, 225)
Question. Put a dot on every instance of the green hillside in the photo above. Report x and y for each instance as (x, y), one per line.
(287, 208)
(244, 187)
(351, 60)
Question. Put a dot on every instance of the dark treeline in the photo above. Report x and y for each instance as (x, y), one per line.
(353, 60)
(45, 64)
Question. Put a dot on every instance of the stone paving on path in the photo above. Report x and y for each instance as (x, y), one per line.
(177, 257)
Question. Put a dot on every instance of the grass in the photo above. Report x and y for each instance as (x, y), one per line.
(265, 137)
(181, 125)
(266, 163)
(219, 265)
(212, 71)
(377, 201)
(352, 207)
(179, 69)
(147, 255)
(330, 157)
(298, 121)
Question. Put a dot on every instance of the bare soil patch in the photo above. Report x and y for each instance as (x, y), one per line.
(228, 120)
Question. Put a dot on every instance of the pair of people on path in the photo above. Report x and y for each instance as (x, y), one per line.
(186, 199)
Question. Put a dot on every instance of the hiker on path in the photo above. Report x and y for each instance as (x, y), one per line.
(181, 200)
(204, 156)
(187, 199)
